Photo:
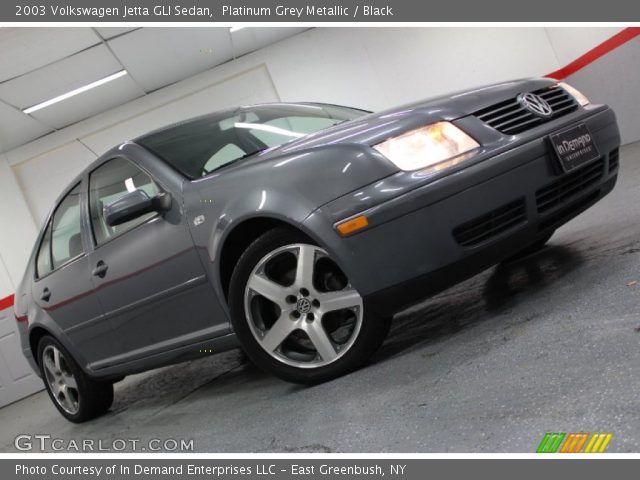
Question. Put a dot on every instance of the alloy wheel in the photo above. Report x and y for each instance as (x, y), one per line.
(61, 381)
(301, 308)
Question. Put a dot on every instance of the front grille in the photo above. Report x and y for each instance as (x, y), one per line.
(490, 224)
(569, 186)
(614, 159)
(510, 117)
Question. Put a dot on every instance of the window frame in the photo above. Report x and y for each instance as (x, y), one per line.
(48, 230)
(153, 218)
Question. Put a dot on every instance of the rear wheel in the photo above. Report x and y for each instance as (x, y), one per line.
(296, 313)
(77, 396)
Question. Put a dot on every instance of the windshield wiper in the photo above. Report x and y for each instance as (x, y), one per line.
(231, 162)
(248, 155)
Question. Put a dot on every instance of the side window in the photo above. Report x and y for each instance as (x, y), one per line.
(108, 183)
(43, 260)
(66, 236)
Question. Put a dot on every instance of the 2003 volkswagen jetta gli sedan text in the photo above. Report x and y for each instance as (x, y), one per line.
(297, 230)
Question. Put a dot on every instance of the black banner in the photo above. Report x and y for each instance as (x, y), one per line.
(316, 11)
(318, 468)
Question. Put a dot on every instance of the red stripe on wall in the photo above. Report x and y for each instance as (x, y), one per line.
(592, 55)
(6, 302)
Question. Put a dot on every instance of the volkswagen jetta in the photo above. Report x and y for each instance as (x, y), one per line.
(297, 230)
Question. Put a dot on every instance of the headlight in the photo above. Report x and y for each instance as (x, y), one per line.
(437, 146)
(575, 93)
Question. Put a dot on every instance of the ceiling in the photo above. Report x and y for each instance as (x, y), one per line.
(37, 64)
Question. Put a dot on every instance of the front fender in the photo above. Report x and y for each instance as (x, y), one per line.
(265, 203)
(287, 188)
(261, 204)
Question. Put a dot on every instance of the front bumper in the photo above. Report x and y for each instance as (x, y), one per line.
(445, 231)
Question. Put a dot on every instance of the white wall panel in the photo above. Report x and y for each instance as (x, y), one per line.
(16, 127)
(380, 67)
(17, 231)
(7, 286)
(43, 178)
(570, 43)
(17, 227)
(17, 379)
(429, 62)
(327, 65)
(614, 79)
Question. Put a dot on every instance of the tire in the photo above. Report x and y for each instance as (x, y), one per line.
(287, 319)
(87, 400)
(531, 249)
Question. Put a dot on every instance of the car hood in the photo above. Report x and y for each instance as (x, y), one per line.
(377, 127)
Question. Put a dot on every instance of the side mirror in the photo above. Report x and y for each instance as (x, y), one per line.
(134, 205)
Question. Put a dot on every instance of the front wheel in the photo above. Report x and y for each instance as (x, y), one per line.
(295, 312)
(77, 396)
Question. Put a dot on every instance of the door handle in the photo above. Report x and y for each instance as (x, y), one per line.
(46, 294)
(100, 270)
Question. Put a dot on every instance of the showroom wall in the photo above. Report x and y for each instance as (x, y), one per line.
(614, 79)
(18, 231)
(368, 68)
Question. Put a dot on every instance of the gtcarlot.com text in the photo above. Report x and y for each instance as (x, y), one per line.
(48, 443)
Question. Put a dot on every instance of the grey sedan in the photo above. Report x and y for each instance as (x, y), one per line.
(297, 230)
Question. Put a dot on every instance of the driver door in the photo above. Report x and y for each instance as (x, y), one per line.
(146, 272)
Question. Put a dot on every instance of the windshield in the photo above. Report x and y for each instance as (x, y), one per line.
(198, 147)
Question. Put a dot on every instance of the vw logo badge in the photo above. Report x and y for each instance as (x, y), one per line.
(535, 104)
(303, 306)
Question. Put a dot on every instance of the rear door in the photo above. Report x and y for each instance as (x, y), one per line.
(63, 288)
(149, 278)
